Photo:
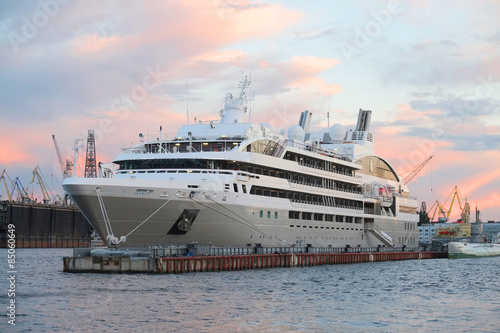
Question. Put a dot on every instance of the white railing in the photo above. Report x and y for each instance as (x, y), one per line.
(326, 190)
(357, 179)
(371, 226)
(334, 210)
(317, 149)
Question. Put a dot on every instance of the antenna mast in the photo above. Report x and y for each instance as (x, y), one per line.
(187, 93)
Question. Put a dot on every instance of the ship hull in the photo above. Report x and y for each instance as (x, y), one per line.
(174, 215)
(458, 250)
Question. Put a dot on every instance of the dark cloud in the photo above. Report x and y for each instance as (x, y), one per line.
(495, 38)
(317, 33)
(454, 119)
(456, 106)
(475, 142)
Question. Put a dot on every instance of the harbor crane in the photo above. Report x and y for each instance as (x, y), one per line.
(66, 170)
(455, 195)
(76, 162)
(3, 177)
(437, 208)
(23, 193)
(415, 171)
(446, 212)
(45, 192)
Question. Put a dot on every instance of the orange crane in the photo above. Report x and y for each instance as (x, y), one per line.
(415, 171)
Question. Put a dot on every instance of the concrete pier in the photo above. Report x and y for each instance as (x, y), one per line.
(130, 261)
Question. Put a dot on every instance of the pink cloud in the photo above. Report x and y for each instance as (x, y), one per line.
(312, 65)
(92, 43)
(189, 27)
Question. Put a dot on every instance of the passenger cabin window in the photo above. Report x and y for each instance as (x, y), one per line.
(235, 187)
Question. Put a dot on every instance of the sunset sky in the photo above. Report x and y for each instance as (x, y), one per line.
(429, 71)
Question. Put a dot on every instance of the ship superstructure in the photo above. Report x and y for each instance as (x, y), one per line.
(239, 183)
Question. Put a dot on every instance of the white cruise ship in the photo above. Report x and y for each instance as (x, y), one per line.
(238, 183)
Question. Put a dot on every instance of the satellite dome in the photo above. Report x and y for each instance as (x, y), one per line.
(337, 132)
(296, 133)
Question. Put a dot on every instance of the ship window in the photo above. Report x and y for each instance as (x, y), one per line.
(235, 187)
(244, 188)
(268, 214)
(318, 217)
(294, 215)
(261, 214)
(275, 215)
(306, 216)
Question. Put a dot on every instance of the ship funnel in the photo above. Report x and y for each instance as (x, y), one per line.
(364, 118)
(305, 120)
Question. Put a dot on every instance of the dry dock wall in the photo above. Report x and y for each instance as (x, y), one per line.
(39, 226)
(176, 265)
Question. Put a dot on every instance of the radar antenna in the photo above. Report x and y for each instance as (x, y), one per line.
(243, 85)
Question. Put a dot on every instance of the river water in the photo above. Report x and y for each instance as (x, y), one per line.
(435, 295)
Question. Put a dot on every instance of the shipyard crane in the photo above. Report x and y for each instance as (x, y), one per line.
(415, 171)
(22, 192)
(66, 170)
(4, 178)
(455, 194)
(446, 212)
(436, 208)
(45, 193)
(76, 162)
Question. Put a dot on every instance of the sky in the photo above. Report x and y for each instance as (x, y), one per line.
(429, 71)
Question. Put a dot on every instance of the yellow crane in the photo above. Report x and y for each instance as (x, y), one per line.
(436, 208)
(4, 178)
(45, 193)
(445, 212)
(455, 195)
